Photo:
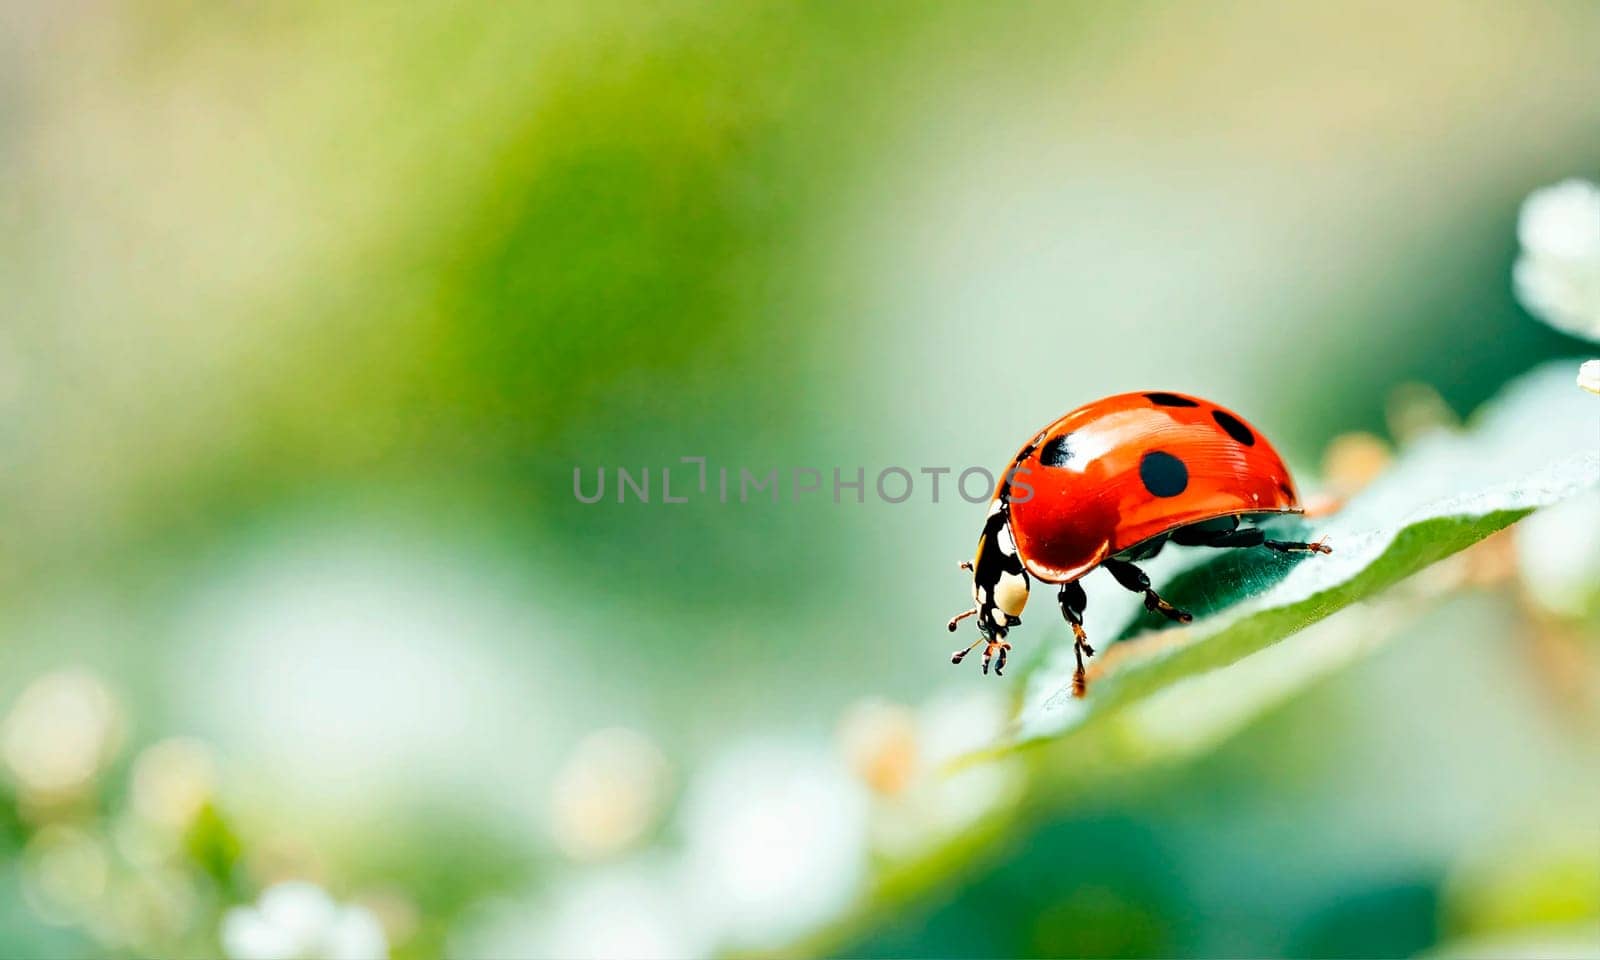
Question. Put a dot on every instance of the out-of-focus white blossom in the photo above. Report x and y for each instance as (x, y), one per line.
(1589, 376)
(1558, 554)
(61, 731)
(348, 665)
(891, 746)
(1416, 411)
(299, 921)
(1557, 276)
(776, 840)
(149, 908)
(880, 744)
(608, 794)
(172, 780)
(955, 724)
(169, 784)
(1353, 460)
(932, 802)
(627, 911)
(64, 873)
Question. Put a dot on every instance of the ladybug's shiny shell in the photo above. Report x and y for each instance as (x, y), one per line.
(1120, 471)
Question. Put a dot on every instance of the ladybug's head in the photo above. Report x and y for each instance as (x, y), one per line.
(999, 583)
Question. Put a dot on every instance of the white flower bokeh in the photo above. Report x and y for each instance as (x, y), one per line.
(633, 910)
(608, 794)
(1557, 275)
(296, 920)
(1558, 555)
(1589, 376)
(65, 871)
(59, 734)
(902, 755)
(775, 837)
(171, 781)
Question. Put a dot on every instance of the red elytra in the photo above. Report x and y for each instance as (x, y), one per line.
(1125, 469)
(1109, 483)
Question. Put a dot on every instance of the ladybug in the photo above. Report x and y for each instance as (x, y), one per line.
(1111, 483)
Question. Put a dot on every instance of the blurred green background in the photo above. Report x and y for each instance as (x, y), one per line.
(311, 311)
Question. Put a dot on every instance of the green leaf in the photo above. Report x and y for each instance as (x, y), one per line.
(215, 847)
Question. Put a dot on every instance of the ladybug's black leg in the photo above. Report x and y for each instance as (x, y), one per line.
(1294, 546)
(996, 649)
(1248, 537)
(1073, 600)
(1132, 578)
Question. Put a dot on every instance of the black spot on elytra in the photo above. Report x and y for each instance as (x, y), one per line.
(1169, 400)
(1163, 474)
(1288, 491)
(1235, 427)
(1058, 452)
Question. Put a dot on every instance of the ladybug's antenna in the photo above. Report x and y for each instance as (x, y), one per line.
(960, 655)
(951, 626)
